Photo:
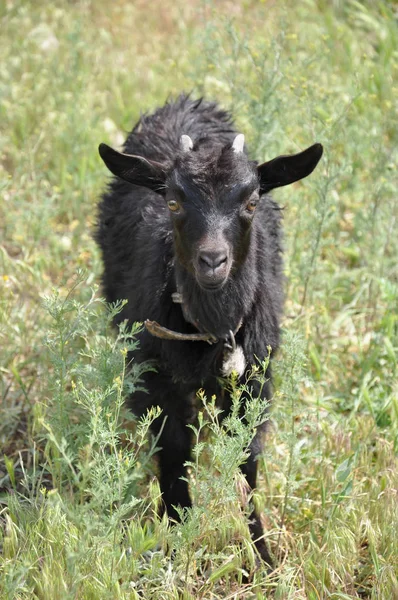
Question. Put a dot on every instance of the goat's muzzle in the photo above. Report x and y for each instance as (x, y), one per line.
(212, 268)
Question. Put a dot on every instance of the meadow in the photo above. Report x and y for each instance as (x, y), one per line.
(78, 487)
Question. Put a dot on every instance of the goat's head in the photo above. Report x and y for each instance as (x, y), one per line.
(212, 192)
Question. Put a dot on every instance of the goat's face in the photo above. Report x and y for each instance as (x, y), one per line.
(212, 193)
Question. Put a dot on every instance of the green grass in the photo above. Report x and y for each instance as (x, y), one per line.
(78, 478)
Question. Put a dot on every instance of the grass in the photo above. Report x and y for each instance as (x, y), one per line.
(78, 479)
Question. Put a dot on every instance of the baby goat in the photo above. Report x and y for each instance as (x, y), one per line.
(190, 237)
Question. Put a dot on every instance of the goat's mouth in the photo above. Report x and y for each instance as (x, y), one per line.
(212, 282)
(211, 286)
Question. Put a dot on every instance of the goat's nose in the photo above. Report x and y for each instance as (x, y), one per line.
(214, 260)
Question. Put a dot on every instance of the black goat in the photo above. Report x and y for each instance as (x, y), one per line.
(192, 240)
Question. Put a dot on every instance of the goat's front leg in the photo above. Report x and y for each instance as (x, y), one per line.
(175, 438)
(175, 451)
(249, 469)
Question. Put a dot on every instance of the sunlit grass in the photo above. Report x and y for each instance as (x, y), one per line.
(79, 490)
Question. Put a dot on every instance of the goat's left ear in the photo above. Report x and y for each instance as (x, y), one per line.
(134, 169)
(284, 170)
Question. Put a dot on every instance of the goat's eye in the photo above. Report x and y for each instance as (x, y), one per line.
(173, 205)
(251, 205)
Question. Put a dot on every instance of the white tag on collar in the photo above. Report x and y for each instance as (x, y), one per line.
(234, 361)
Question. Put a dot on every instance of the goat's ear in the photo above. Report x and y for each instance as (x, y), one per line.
(283, 170)
(134, 169)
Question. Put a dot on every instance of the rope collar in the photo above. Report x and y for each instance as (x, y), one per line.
(168, 334)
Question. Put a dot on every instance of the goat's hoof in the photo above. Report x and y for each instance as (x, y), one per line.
(264, 559)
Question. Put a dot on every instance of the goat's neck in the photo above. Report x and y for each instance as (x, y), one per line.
(216, 312)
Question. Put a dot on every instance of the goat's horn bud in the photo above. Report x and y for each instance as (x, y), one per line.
(186, 143)
(238, 144)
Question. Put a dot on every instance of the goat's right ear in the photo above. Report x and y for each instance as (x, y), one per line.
(134, 169)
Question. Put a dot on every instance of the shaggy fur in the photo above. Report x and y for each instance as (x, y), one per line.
(150, 252)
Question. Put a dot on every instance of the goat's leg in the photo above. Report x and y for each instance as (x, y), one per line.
(249, 469)
(175, 443)
(174, 436)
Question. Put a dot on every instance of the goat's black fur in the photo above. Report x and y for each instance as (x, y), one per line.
(149, 252)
